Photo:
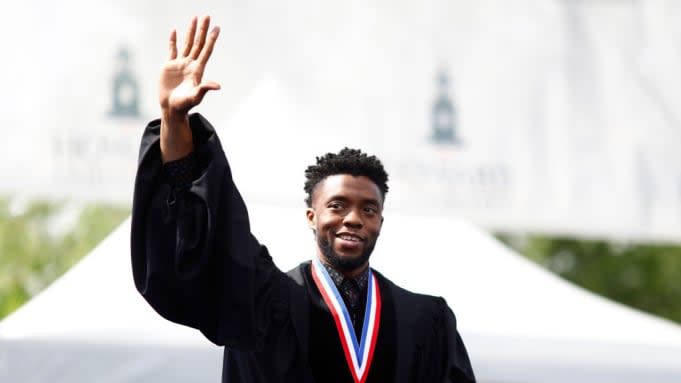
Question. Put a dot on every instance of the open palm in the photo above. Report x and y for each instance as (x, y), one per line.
(181, 86)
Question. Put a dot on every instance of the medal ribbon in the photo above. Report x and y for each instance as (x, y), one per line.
(358, 355)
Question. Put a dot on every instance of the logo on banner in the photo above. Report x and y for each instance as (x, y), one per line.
(124, 90)
(443, 114)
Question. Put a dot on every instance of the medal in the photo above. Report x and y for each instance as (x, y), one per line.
(357, 354)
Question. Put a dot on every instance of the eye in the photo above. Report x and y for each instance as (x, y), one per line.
(371, 210)
(335, 205)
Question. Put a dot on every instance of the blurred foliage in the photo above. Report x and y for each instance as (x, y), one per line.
(39, 241)
(644, 276)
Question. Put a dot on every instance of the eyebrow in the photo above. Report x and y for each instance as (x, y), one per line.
(341, 198)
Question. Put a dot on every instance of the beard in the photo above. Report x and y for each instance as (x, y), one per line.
(347, 264)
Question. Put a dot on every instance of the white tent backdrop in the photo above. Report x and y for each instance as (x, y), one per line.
(520, 323)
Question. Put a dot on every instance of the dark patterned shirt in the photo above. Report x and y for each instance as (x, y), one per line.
(354, 293)
(180, 172)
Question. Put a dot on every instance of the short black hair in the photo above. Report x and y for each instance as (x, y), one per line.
(348, 161)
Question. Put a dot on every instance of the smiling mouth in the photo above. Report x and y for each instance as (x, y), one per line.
(348, 237)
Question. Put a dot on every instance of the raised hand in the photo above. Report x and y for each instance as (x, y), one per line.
(181, 86)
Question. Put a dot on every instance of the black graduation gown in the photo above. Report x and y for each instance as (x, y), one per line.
(196, 262)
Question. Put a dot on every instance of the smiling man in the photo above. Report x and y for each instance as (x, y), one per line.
(345, 202)
(332, 319)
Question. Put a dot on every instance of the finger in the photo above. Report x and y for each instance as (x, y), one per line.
(208, 85)
(189, 39)
(200, 37)
(208, 48)
(203, 88)
(173, 45)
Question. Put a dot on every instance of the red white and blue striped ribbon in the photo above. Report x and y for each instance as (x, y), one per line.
(357, 354)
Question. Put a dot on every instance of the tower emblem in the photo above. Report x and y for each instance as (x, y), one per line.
(125, 91)
(443, 115)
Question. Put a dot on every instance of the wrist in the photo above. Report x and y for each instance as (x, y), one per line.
(176, 136)
(174, 118)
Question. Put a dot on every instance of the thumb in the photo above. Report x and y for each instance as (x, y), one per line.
(203, 88)
(208, 85)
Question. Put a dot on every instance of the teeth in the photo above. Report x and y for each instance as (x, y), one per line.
(349, 238)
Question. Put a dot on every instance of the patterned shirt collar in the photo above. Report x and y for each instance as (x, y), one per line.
(362, 280)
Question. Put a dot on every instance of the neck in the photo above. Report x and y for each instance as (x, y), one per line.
(356, 272)
(346, 273)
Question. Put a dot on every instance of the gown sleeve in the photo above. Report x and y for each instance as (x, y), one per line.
(194, 258)
(457, 365)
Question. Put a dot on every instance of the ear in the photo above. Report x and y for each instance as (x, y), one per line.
(311, 218)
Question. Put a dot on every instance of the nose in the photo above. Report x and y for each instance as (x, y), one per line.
(353, 219)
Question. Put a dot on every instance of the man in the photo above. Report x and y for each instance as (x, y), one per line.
(196, 262)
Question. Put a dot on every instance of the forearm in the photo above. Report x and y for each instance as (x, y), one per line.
(176, 139)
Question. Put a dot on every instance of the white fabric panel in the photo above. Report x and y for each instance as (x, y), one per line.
(520, 323)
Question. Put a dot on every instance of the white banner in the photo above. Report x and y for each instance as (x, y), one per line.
(551, 116)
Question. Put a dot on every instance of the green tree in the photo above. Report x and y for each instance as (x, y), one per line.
(39, 241)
